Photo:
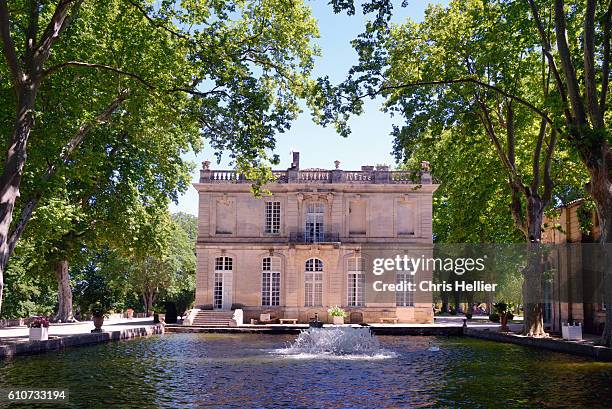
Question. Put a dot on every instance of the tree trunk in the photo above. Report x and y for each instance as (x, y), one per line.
(64, 292)
(148, 298)
(145, 302)
(470, 303)
(533, 322)
(444, 296)
(10, 179)
(457, 299)
(607, 282)
(600, 188)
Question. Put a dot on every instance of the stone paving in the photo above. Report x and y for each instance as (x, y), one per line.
(20, 334)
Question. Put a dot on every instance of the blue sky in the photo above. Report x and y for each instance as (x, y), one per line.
(369, 143)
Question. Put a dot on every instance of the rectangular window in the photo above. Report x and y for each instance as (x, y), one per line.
(273, 218)
(218, 290)
(404, 298)
(270, 281)
(313, 289)
(270, 291)
(356, 282)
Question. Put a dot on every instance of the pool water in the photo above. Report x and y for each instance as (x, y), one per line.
(251, 371)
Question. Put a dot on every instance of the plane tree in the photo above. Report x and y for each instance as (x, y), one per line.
(474, 65)
(231, 72)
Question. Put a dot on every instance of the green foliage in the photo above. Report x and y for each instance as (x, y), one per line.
(129, 87)
(27, 293)
(585, 216)
(161, 264)
(99, 309)
(502, 307)
(188, 223)
(454, 78)
(336, 311)
(510, 286)
(94, 292)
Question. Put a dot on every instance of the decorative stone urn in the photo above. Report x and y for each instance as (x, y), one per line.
(338, 320)
(39, 334)
(98, 321)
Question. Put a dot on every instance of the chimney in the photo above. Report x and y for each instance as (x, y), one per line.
(296, 161)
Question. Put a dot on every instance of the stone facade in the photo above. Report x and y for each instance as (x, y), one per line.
(575, 292)
(296, 252)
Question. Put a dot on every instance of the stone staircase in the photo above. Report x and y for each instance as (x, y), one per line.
(208, 318)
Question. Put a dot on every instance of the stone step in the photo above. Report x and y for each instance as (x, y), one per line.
(211, 324)
(213, 318)
(216, 314)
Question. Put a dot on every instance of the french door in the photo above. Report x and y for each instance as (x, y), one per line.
(315, 215)
(223, 279)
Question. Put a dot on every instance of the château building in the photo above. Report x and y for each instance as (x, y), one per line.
(573, 293)
(298, 250)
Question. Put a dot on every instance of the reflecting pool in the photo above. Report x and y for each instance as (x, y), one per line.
(254, 371)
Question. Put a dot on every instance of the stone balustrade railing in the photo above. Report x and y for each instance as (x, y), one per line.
(309, 176)
(324, 176)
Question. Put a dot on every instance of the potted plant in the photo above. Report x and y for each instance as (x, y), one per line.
(504, 310)
(337, 314)
(129, 313)
(39, 329)
(99, 311)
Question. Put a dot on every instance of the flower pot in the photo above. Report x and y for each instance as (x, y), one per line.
(39, 334)
(338, 320)
(98, 321)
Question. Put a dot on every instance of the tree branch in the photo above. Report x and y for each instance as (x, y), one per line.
(537, 153)
(56, 25)
(567, 65)
(201, 94)
(548, 181)
(511, 139)
(547, 50)
(516, 209)
(515, 185)
(190, 89)
(605, 64)
(69, 148)
(157, 24)
(31, 34)
(58, 67)
(506, 94)
(589, 66)
(507, 162)
(8, 47)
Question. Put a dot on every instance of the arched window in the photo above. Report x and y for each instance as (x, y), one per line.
(223, 265)
(355, 282)
(313, 283)
(314, 230)
(270, 281)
